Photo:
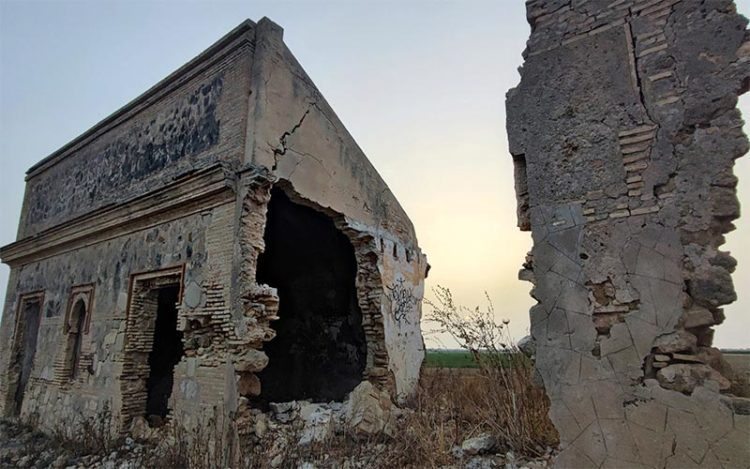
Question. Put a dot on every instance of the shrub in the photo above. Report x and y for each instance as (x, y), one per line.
(506, 401)
(86, 435)
(189, 446)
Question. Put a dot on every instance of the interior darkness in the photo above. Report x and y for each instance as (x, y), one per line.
(319, 352)
(31, 312)
(76, 334)
(165, 353)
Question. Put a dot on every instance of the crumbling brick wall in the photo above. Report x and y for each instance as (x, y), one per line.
(624, 132)
(287, 119)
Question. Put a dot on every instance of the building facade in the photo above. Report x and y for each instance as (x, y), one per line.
(220, 242)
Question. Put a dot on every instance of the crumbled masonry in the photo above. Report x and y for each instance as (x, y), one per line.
(179, 261)
(624, 131)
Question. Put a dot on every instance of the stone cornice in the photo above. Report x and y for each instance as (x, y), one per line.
(193, 192)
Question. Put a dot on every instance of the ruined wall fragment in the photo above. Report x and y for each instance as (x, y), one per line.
(624, 132)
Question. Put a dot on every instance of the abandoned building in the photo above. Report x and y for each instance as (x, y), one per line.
(218, 244)
(624, 131)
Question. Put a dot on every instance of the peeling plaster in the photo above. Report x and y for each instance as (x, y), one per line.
(627, 188)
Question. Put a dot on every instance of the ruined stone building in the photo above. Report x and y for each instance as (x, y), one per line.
(219, 243)
(624, 132)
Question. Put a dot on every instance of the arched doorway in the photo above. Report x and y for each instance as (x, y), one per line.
(75, 327)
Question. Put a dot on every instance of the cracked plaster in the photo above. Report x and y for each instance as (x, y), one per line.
(623, 132)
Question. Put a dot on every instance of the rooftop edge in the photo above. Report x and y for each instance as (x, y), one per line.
(61, 153)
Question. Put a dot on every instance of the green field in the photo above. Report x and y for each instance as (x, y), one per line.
(447, 358)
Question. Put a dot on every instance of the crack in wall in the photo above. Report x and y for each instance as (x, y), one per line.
(282, 148)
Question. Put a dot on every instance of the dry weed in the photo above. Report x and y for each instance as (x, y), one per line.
(82, 435)
(499, 397)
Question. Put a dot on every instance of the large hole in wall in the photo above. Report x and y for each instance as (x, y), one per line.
(319, 352)
(165, 354)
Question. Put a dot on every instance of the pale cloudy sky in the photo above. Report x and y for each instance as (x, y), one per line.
(420, 85)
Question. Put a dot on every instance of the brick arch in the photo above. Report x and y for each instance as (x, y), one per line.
(65, 366)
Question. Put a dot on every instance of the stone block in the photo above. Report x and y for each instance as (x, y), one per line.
(369, 412)
(685, 377)
(697, 316)
(678, 341)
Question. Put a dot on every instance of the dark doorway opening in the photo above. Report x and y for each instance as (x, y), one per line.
(166, 352)
(75, 335)
(28, 331)
(320, 351)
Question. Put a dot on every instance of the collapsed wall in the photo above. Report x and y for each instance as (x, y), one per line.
(623, 133)
(150, 277)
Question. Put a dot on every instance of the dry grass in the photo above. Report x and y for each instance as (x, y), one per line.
(329, 453)
(450, 406)
(455, 404)
(180, 445)
(193, 448)
(81, 435)
(499, 397)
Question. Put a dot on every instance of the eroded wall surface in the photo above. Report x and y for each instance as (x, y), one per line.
(624, 131)
(148, 188)
(137, 193)
(297, 138)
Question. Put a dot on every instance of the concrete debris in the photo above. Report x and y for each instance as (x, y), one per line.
(697, 317)
(370, 412)
(251, 360)
(677, 341)
(141, 430)
(22, 447)
(285, 412)
(483, 443)
(684, 378)
(478, 462)
(306, 465)
(261, 426)
(319, 425)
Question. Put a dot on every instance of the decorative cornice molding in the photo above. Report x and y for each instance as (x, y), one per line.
(193, 192)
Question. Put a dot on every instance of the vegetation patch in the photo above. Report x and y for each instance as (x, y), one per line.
(447, 358)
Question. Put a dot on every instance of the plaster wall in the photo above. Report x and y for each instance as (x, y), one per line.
(297, 137)
(193, 118)
(107, 266)
(624, 132)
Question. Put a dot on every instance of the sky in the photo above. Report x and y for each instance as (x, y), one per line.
(419, 84)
